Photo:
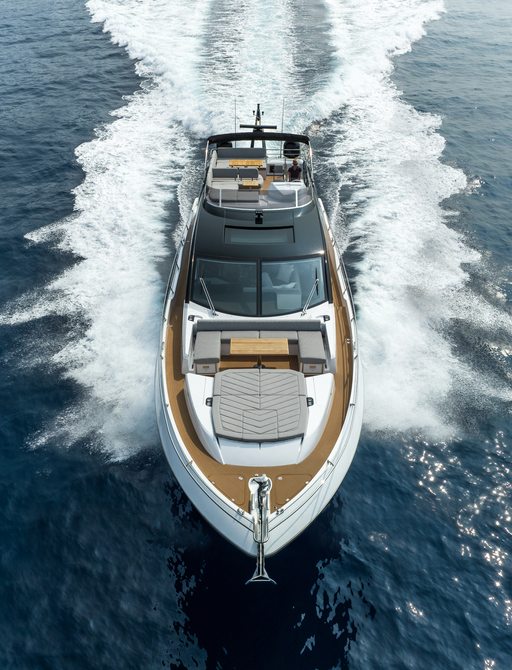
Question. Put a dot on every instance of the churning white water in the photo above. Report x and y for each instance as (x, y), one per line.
(195, 58)
(413, 273)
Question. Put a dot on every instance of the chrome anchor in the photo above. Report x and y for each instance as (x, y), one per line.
(259, 507)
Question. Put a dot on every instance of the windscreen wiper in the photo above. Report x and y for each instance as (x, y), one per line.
(208, 297)
(310, 297)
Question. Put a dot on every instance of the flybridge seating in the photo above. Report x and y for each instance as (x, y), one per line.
(254, 177)
(242, 153)
(304, 338)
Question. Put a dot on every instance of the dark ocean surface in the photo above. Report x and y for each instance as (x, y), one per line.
(105, 104)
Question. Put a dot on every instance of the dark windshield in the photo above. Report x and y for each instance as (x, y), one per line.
(231, 285)
(283, 286)
(286, 285)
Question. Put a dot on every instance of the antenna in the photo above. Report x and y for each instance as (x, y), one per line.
(282, 130)
(257, 126)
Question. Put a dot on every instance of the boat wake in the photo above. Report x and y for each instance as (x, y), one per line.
(141, 173)
(415, 268)
(112, 294)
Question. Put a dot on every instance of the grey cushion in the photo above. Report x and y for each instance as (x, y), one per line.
(291, 414)
(282, 383)
(229, 334)
(229, 194)
(311, 347)
(223, 173)
(290, 335)
(248, 173)
(207, 347)
(241, 152)
(237, 382)
(259, 324)
(259, 405)
(262, 423)
(226, 194)
(228, 414)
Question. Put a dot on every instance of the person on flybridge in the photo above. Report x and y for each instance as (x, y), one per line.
(294, 171)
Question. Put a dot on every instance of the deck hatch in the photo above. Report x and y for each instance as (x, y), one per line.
(244, 235)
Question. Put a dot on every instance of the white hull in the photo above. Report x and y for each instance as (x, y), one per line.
(236, 525)
(306, 452)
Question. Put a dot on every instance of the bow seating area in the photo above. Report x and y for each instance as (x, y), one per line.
(213, 337)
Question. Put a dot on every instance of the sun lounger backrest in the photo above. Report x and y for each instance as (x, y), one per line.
(295, 325)
(241, 152)
(224, 173)
(248, 173)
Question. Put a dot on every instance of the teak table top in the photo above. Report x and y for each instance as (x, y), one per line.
(246, 162)
(249, 183)
(261, 346)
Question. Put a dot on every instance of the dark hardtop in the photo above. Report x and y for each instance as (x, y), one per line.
(255, 136)
(305, 221)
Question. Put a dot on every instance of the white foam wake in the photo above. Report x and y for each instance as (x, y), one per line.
(249, 58)
(132, 170)
(411, 282)
(195, 59)
(136, 165)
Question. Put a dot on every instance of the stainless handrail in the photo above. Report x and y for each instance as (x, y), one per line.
(174, 267)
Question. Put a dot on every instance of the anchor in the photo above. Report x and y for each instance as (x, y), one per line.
(259, 507)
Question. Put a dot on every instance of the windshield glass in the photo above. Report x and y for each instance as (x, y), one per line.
(231, 285)
(286, 285)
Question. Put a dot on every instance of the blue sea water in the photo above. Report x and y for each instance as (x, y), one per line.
(104, 563)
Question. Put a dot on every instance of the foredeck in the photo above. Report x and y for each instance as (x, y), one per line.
(232, 480)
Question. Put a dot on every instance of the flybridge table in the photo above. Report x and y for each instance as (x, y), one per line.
(249, 184)
(246, 162)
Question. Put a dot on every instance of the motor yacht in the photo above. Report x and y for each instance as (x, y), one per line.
(258, 380)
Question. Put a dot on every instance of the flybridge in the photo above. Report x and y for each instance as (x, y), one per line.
(277, 175)
(269, 171)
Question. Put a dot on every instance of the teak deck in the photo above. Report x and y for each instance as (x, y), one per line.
(232, 480)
